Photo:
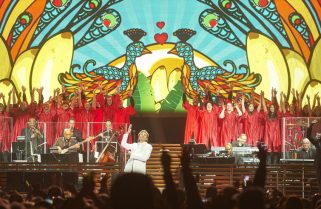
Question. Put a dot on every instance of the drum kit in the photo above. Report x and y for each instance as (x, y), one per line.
(294, 133)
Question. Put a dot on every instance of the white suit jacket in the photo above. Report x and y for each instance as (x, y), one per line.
(140, 153)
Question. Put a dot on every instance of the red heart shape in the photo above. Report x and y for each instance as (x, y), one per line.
(161, 38)
(160, 25)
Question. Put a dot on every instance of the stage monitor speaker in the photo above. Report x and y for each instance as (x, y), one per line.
(196, 148)
(19, 147)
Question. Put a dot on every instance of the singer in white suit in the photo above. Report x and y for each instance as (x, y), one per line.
(139, 152)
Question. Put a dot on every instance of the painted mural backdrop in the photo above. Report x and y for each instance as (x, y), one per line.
(159, 49)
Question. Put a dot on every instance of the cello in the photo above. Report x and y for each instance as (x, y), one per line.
(105, 155)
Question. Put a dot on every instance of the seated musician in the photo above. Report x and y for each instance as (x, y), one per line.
(108, 135)
(306, 151)
(75, 133)
(66, 141)
(33, 134)
(241, 141)
(228, 152)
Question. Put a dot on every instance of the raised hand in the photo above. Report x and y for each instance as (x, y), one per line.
(117, 89)
(262, 154)
(129, 129)
(23, 88)
(185, 158)
(218, 90)
(166, 160)
(293, 91)
(40, 90)
(130, 93)
(63, 89)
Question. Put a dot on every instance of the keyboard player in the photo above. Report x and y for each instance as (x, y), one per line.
(241, 141)
(241, 150)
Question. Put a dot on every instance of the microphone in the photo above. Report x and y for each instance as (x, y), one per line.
(134, 135)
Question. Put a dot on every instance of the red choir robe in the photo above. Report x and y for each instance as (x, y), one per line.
(192, 121)
(110, 110)
(47, 124)
(5, 139)
(77, 111)
(229, 127)
(63, 117)
(272, 136)
(208, 129)
(252, 126)
(87, 120)
(21, 118)
(99, 114)
(98, 120)
(261, 126)
(122, 118)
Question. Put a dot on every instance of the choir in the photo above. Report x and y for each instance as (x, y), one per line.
(215, 121)
(58, 110)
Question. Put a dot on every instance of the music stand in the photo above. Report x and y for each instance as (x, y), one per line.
(196, 148)
(22, 146)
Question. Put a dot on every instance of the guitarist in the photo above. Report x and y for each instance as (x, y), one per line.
(67, 141)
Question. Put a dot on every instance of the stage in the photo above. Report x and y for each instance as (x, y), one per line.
(290, 177)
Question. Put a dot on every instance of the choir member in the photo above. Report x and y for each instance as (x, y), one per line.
(208, 130)
(87, 114)
(5, 142)
(229, 123)
(98, 109)
(64, 113)
(46, 113)
(122, 115)
(192, 119)
(272, 137)
(252, 121)
(316, 106)
(306, 109)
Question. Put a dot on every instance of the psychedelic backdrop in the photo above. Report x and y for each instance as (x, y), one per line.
(158, 49)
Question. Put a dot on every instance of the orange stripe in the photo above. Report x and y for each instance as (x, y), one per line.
(285, 9)
(3, 8)
(317, 7)
(26, 41)
(35, 9)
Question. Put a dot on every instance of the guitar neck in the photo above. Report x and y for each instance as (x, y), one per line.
(81, 143)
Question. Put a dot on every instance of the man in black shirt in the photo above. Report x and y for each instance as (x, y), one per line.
(33, 135)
